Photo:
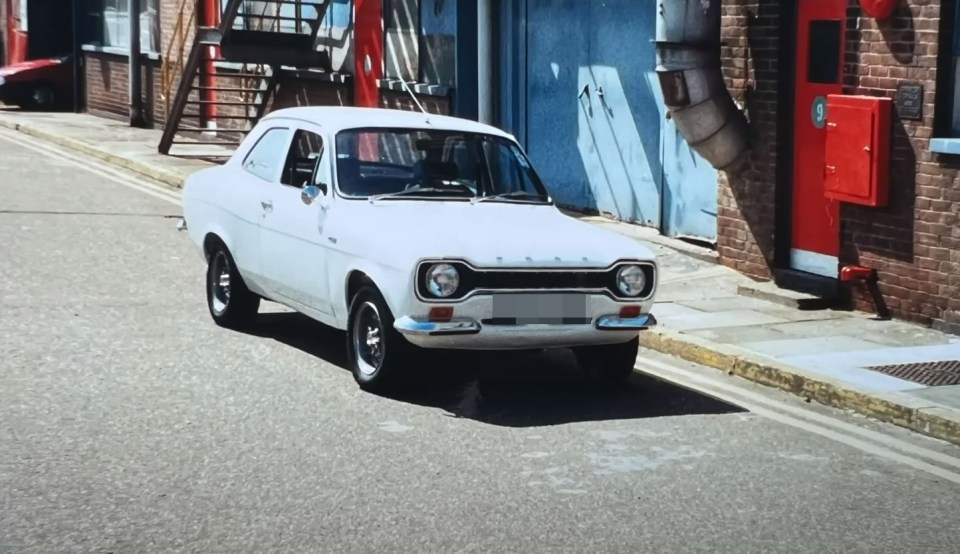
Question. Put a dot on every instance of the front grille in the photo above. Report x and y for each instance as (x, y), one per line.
(475, 280)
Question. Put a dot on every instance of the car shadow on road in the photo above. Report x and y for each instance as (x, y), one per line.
(510, 389)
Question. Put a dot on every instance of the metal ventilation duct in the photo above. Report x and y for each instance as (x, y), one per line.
(696, 97)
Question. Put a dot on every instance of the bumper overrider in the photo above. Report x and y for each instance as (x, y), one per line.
(468, 317)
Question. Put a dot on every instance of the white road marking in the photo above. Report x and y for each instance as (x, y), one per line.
(869, 441)
(93, 165)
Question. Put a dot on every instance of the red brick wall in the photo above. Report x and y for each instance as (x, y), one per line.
(746, 199)
(302, 92)
(401, 101)
(107, 86)
(914, 243)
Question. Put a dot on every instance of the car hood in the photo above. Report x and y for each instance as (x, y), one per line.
(498, 234)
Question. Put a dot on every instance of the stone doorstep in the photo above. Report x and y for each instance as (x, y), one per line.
(912, 413)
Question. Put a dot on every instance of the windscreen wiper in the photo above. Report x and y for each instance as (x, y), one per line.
(518, 194)
(405, 192)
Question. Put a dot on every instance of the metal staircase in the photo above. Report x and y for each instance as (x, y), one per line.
(253, 44)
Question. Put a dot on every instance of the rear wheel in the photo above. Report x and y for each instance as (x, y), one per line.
(375, 350)
(608, 363)
(230, 302)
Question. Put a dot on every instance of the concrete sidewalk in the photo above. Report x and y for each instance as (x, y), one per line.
(708, 314)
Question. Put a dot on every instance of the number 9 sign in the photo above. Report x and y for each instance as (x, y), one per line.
(818, 112)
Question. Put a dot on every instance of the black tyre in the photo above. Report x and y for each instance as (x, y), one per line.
(376, 352)
(608, 363)
(42, 97)
(231, 303)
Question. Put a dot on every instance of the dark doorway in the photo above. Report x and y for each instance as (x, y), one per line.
(51, 29)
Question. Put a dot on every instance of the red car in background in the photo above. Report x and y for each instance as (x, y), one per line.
(43, 84)
(41, 48)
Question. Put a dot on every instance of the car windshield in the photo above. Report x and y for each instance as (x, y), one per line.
(434, 164)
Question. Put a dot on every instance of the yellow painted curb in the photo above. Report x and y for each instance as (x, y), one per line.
(172, 179)
(933, 422)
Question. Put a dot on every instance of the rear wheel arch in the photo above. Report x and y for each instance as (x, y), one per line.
(210, 241)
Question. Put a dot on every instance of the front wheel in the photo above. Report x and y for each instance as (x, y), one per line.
(608, 363)
(375, 350)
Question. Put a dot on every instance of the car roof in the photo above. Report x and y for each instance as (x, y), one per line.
(337, 118)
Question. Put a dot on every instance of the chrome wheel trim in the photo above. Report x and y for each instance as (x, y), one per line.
(368, 339)
(220, 282)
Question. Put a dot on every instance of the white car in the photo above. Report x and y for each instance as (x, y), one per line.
(413, 231)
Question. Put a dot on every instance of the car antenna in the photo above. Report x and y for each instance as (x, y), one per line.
(412, 95)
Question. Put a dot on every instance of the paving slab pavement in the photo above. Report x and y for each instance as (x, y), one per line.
(824, 355)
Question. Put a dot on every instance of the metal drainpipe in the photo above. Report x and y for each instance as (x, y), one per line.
(484, 61)
(136, 88)
(691, 79)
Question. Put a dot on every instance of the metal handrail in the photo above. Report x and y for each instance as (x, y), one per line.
(171, 67)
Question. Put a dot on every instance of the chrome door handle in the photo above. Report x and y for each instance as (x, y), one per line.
(267, 206)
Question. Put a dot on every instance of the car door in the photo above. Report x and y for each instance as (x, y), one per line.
(244, 190)
(291, 234)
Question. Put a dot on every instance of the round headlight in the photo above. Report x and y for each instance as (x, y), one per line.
(631, 280)
(442, 280)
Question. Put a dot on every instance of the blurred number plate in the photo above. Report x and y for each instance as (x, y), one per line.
(555, 309)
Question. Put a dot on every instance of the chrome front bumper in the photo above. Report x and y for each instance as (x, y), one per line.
(468, 333)
(409, 326)
(617, 323)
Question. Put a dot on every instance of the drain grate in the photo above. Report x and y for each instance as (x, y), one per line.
(932, 374)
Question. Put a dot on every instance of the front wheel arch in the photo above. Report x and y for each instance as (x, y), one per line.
(355, 281)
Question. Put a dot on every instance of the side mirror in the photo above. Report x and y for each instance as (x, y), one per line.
(309, 192)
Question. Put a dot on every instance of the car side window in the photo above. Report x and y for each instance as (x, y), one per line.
(267, 155)
(302, 158)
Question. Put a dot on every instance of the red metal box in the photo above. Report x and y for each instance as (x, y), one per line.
(857, 158)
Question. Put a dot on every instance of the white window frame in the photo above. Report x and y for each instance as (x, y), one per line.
(115, 25)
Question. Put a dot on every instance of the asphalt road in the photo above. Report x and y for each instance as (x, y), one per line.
(129, 422)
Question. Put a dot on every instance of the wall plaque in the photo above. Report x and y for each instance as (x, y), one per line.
(909, 101)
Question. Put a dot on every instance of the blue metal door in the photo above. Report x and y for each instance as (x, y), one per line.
(579, 90)
(689, 186)
(557, 53)
(621, 127)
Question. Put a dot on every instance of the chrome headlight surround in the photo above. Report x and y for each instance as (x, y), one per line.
(631, 280)
(442, 280)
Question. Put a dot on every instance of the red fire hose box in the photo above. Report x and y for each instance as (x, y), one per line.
(857, 157)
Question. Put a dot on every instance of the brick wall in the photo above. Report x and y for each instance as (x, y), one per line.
(107, 87)
(294, 92)
(914, 243)
(747, 196)
(401, 101)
